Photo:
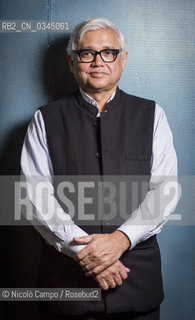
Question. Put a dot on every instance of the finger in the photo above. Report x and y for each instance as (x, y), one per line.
(118, 280)
(83, 240)
(93, 272)
(109, 279)
(102, 283)
(123, 274)
(84, 268)
(104, 286)
(111, 283)
(83, 253)
(90, 274)
(98, 269)
(85, 262)
(87, 273)
(91, 259)
(101, 267)
(87, 268)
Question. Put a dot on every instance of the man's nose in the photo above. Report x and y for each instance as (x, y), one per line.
(98, 61)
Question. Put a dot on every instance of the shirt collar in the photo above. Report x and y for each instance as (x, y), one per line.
(90, 100)
(93, 110)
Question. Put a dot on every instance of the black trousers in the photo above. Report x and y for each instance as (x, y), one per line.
(149, 315)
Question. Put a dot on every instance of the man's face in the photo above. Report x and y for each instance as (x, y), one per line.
(98, 76)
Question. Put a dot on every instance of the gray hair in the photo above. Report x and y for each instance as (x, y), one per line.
(92, 24)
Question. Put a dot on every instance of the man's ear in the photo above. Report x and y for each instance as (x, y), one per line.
(124, 59)
(71, 63)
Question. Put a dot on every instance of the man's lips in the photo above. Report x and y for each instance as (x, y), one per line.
(97, 74)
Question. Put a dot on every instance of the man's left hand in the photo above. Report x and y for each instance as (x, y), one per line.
(102, 251)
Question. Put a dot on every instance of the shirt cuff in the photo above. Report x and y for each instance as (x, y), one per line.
(68, 246)
(131, 233)
(135, 232)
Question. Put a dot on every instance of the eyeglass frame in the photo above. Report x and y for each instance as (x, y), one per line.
(78, 52)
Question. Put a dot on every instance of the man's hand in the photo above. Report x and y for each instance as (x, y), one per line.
(113, 276)
(102, 251)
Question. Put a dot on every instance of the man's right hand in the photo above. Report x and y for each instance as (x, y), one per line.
(112, 276)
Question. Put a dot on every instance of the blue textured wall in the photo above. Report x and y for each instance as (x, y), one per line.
(160, 41)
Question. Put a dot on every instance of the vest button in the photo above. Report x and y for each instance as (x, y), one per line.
(98, 155)
(96, 124)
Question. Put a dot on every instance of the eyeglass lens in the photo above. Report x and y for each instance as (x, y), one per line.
(107, 55)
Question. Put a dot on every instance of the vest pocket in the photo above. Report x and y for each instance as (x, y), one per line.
(136, 164)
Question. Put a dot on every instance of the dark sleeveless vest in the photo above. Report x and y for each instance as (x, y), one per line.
(117, 143)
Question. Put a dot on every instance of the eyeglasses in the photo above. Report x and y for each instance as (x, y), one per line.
(89, 55)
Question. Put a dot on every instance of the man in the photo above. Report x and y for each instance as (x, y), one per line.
(100, 131)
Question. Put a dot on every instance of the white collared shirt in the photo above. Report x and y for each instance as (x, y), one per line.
(36, 161)
(90, 100)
